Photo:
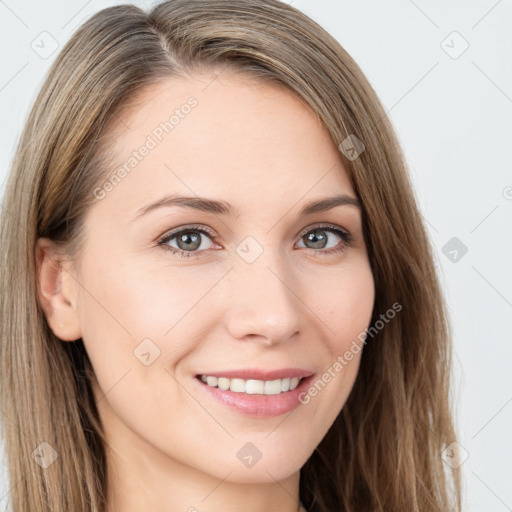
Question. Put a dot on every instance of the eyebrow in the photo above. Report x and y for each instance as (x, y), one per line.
(224, 208)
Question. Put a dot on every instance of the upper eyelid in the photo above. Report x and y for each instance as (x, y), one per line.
(325, 225)
(192, 227)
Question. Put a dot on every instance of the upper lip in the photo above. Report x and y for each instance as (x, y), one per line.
(258, 374)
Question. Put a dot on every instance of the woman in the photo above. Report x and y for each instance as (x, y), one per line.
(218, 292)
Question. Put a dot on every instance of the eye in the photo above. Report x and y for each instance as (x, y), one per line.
(189, 240)
(319, 237)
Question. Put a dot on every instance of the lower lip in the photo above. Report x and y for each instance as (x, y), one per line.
(260, 406)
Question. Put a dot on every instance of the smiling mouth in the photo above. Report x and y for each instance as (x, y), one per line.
(252, 386)
(258, 399)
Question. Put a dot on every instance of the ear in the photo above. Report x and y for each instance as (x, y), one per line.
(57, 291)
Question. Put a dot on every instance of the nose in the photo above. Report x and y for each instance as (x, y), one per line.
(262, 301)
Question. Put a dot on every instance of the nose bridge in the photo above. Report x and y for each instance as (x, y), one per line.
(263, 301)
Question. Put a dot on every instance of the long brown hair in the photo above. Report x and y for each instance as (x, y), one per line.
(384, 450)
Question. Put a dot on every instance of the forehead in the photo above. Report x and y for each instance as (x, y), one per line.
(223, 136)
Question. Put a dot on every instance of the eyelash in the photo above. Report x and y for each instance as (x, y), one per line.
(343, 234)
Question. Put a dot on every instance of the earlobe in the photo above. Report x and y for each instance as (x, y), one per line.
(56, 291)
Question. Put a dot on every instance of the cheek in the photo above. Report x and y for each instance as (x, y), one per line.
(133, 314)
(344, 302)
(353, 306)
(140, 300)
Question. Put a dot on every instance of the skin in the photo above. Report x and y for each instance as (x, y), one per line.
(170, 446)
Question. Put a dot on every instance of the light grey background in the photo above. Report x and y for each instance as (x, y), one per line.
(452, 112)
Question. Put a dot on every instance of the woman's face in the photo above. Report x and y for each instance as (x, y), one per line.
(255, 283)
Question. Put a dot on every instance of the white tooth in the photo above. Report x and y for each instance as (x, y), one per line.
(273, 387)
(254, 387)
(294, 382)
(237, 385)
(212, 381)
(223, 383)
